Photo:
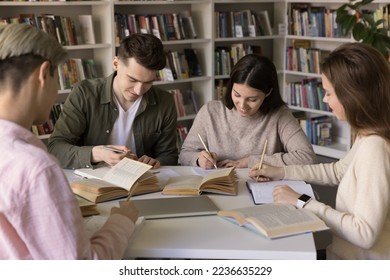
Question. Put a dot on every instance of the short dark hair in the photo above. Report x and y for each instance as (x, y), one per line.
(258, 72)
(147, 50)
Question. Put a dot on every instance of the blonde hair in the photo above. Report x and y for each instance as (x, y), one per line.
(22, 49)
(23, 39)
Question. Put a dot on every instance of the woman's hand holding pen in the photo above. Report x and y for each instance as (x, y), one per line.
(266, 173)
(207, 160)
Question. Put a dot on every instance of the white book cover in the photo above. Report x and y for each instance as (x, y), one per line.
(86, 29)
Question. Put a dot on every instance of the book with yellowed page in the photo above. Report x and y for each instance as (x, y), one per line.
(275, 220)
(222, 181)
(87, 208)
(127, 176)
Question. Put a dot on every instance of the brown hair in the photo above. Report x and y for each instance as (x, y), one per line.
(147, 50)
(258, 72)
(360, 76)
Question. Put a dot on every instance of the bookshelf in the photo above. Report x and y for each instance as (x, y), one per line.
(101, 52)
(205, 15)
(324, 40)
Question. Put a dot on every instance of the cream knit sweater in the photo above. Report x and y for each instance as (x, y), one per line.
(361, 221)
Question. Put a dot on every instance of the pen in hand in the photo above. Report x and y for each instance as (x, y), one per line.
(118, 151)
(207, 150)
(262, 158)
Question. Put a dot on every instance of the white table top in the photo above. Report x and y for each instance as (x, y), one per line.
(205, 237)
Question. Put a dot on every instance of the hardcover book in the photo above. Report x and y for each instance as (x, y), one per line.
(275, 220)
(222, 181)
(107, 183)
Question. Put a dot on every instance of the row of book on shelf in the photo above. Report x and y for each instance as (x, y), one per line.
(180, 65)
(185, 102)
(221, 88)
(243, 23)
(67, 30)
(226, 57)
(74, 70)
(167, 27)
(48, 127)
(301, 57)
(307, 93)
(313, 21)
(319, 21)
(318, 129)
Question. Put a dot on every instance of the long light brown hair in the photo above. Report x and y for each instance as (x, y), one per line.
(360, 76)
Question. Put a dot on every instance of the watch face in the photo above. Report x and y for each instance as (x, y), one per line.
(304, 198)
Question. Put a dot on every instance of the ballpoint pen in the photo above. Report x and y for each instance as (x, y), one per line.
(207, 150)
(118, 151)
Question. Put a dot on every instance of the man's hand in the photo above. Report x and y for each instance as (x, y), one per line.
(151, 161)
(111, 154)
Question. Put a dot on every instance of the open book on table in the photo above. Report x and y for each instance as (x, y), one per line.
(222, 181)
(127, 176)
(262, 191)
(275, 220)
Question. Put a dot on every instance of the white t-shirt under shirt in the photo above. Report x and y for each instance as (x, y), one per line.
(122, 131)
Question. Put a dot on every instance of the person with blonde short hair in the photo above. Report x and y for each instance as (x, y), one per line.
(40, 217)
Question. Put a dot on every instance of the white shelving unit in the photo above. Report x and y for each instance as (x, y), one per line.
(203, 13)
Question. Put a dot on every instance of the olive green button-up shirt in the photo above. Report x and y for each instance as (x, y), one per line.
(89, 114)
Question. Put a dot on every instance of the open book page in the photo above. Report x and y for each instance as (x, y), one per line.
(188, 184)
(221, 181)
(98, 172)
(93, 185)
(276, 220)
(262, 191)
(126, 172)
(201, 171)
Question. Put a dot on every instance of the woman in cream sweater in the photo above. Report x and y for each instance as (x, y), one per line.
(356, 78)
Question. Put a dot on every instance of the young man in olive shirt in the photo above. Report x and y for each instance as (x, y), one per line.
(123, 111)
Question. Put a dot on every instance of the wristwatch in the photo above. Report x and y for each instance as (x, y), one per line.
(303, 200)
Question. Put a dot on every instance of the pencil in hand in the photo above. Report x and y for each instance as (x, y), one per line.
(207, 150)
(262, 158)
